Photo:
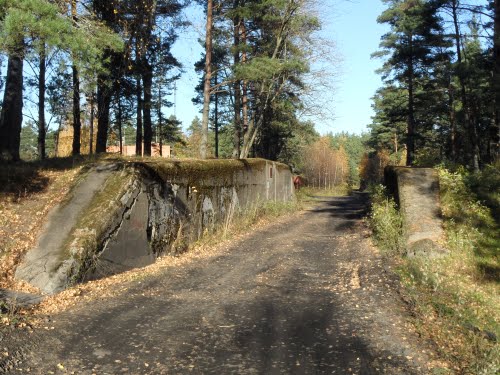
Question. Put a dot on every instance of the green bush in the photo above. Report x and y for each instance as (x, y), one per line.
(459, 201)
(486, 185)
(386, 222)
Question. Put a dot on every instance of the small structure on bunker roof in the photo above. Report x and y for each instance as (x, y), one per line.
(129, 150)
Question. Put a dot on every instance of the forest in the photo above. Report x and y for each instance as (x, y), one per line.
(103, 71)
(104, 67)
(83, 78)
(441, 95)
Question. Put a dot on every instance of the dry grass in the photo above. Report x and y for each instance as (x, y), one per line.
(28, 191)
(334, 191)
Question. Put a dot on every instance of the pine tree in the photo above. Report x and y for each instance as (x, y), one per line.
(35, 25)
(494, 131)
(208, 77)
(410, 47)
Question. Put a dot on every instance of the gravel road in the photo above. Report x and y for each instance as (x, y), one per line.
(304, 295)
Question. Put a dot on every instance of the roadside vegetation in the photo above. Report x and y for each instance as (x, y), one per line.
(334, 191)
(455, 299)
(438, 106)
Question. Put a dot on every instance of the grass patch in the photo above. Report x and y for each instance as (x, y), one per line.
(243, 221)
(308, 192)
(456, 299)
(386, 222)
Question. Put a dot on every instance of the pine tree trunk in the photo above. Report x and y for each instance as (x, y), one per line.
(41, 105)
(244, 91)
(11, 118)
(119, 121)
(494, 141)
(106, 12)
(91, 125)
(208, 77)
(410, 142)
(103, 104)
(138, 137)
(236, 88)
(147, 79)
(216, 119)
(160, 118)
(77, 125)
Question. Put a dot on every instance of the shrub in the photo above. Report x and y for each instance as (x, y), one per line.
(386, 222)
(486, 185)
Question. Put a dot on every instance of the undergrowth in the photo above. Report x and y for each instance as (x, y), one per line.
(456, 299)
(386, 222)
(242, 221)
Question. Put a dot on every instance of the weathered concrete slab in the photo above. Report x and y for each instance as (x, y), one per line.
(45, 266)
(129, 247)
(417, 193)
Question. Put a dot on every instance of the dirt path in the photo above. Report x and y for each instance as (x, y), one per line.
(306, 295)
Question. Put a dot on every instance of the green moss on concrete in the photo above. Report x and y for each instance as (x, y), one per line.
(85, 240)
(195, 169)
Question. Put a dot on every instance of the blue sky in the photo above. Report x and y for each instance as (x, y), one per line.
(351, 25)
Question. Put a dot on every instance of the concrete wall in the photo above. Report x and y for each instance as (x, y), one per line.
(416, 191)
(124, 215)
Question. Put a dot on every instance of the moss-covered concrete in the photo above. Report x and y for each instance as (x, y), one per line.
(124, 213)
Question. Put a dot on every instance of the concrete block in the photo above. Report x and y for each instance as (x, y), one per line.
(416, 191)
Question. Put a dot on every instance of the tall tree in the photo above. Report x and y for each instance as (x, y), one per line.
(107, 12)
(411, 44)
(494, 143)
(12, 109)
(41, 103)
(77, 124)
(208, 77)
(237, 22)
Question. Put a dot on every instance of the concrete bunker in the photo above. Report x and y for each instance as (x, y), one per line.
(122, 215)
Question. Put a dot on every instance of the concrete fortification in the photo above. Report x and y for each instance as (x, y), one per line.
(416, 191)
(121, 215)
